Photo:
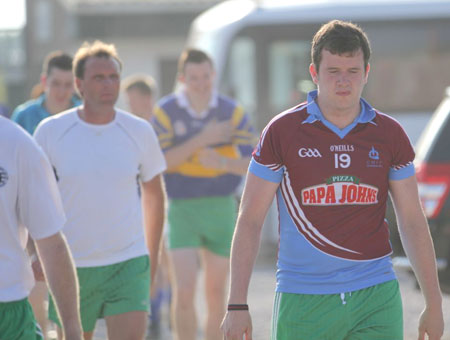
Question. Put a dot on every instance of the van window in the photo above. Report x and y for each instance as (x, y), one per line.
(239, 81)
(289, 75)
(267, 66)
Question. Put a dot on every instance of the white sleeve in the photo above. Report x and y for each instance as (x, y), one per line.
(153, 161)
(39, 204)
(40, 137)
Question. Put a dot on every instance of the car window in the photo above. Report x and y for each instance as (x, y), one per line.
(434, 143)
(440, 149)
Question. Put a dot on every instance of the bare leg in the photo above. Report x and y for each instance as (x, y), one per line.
(216, 275)
(130, 326)
(184, 264)
(86, 335)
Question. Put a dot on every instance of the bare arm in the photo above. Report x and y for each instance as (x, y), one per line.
(35, 263)
(237, 166)
(59, 270)
(213, 133)
(416, 240)
(256, 200)
(153, 200)
(210, 158)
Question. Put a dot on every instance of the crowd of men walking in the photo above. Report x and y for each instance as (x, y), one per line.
(89, 182)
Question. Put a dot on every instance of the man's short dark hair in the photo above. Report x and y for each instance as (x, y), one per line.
(192, 55)
(96, 49)
(339, 37)
(57, 59)
(142, 83)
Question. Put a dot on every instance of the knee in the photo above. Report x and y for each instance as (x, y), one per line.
(215, 291)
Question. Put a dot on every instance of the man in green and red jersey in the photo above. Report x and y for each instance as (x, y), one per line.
(331, 161)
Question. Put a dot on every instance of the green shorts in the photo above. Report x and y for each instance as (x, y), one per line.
(202, 222)
(373, 313)
(17, 321)
(110, 290)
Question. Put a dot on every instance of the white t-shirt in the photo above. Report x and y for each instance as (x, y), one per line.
(98, 169)
(29, 201)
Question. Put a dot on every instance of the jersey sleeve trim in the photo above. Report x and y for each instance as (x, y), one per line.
(399, 173)
(264, 172)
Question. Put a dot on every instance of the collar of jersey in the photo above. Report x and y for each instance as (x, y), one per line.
(183, 102)
(41, 99)
(366, 115)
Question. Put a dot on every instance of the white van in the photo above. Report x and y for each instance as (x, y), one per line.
(262, 51)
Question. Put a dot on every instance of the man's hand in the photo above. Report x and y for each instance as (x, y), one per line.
(210, 158)
(212, 134)
(237, 324)
(216, 132)
(432, 324)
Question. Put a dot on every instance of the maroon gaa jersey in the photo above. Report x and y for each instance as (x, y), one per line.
(334, 183)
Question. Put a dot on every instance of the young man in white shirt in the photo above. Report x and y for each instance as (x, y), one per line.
(108, 165)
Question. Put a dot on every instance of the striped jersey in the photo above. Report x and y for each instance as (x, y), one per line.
(175, 123)
(332, 196)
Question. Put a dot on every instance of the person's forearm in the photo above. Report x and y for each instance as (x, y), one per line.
(236, 166)
(153, 201)
(154, 232)
(243, 254)
(178, 154)
(62, 280)
(419, 248)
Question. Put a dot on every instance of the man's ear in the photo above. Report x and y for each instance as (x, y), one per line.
(78, 82)
(181, 78)
(313, 72)
(367, 73)
(43, 79)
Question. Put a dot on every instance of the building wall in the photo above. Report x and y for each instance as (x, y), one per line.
(146, 42)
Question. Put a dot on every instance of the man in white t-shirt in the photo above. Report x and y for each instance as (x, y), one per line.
(30, 202)
(107, 163)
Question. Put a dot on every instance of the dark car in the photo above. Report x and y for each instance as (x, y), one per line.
(433, 176)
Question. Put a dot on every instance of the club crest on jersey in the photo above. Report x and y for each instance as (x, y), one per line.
(374, 159)
(340, 190)
(309, 152)
(3, 177)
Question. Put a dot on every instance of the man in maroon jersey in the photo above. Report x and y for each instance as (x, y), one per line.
(332, 161)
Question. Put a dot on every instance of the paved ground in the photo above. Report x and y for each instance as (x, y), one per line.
(261, 297)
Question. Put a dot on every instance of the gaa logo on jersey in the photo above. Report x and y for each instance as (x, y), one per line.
(3, 177)
(309, 152)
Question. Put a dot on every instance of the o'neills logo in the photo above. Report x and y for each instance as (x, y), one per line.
(340, 190)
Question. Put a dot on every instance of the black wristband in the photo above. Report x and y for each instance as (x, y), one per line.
(237, 307)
